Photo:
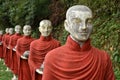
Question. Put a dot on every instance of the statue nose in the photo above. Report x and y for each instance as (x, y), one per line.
(83, 27)
(46, 29)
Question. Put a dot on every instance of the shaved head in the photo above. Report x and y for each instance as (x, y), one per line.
(77, 8)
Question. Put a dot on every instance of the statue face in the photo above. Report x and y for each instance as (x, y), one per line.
(11, 30)
(45, 28)
(17, 28)
(79, 24)
(7, 30)
(27, 30)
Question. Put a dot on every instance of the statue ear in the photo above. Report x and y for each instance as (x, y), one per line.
(66, 25)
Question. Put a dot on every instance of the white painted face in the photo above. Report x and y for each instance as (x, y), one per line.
(79, 24)
(11, 30)
(17, 28)
(1, 32)
(27, 30)
(7, 30)
(45, 28)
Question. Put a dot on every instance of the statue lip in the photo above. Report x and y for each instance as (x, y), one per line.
(83, 32)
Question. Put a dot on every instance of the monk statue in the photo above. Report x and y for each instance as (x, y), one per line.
(11, 32)
(1, 45)
(3, 42)
(78, 59)
(40, 47)
(7, 50)
(13, 56)
(22, 49)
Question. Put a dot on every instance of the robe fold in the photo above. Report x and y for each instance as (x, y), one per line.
(72, 62)
(38, 49)
(1, 47)
(23, 44)
(13, 56)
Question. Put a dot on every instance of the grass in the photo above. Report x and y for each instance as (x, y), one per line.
(4, 75)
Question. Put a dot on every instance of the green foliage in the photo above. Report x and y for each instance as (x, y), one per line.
(4, 15)
(60, 33)
(117, 73)
(23, 12)
(63, 36)
(4, 75)
(107, 32)
(57, 15)
(36, 33)
(41, 11)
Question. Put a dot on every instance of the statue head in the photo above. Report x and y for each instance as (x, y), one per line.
(27, 30)
(7, 30)
(45, 27)
(18, 28)
(1, 32)
(11, 31)
(79, 22)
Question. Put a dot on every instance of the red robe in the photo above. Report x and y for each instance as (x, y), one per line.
(72, 62)
(4, 45)
(1, 47)
(13, 56)
(23, 44)
(38, 49)
(7, 51)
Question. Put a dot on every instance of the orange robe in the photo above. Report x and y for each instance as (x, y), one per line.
(72, 62)
(13, 56)
(1, 47)
(38, 49)
(23, 44)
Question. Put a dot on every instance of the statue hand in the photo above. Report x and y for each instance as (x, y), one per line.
(39, 71)
(14, 49)
(8, 47)
(23, 57)
(26, 54)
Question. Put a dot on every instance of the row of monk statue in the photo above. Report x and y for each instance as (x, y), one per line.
(45, 59)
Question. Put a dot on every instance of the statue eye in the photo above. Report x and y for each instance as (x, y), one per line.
(43, 27)
(49, 27)
(89, 21)
(76, 20)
